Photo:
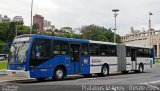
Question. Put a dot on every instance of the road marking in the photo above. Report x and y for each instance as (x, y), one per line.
(152, 82)
(88, 79)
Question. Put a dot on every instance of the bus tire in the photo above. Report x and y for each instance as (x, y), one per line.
(59, 73)
(40, 79)
(141, 68)
(105, 70)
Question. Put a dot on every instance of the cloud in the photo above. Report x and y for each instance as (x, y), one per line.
(76, 13)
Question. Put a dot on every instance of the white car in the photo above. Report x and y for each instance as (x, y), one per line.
(3, 57)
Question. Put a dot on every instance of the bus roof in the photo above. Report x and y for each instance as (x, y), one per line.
(101, 42)
(24, 35)
(76, 40)
(130, 45)
(60, 38)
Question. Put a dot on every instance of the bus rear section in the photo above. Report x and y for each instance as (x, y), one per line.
(134, 58)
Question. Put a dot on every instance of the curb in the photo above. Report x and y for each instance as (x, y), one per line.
(3, 72)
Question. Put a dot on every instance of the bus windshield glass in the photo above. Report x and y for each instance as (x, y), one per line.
(18, 51)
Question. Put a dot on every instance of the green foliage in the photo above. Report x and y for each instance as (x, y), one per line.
(21, 29)
(1, 45)
(8, 31)
(93, 32)
(3, 30)
(3, 65)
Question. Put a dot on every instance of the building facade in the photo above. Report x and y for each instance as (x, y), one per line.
(39, 21)
(1, 18)
(18, 19)
(144, 38)
(6, 19)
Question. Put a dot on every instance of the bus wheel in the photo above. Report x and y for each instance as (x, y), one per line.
(59, 73)
(141, 68)
(40, 79)
(104, 71)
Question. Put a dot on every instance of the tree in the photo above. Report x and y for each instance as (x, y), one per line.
(94, 32)
(10, 33)
(35, 26)
(3, 30)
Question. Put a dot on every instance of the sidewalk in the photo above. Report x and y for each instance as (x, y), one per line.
(3, 72)
(156, 65)
(5, 78)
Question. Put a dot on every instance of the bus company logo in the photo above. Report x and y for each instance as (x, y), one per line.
(86, 61)
(96, 60)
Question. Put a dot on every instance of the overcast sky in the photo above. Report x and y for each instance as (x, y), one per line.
(76, 13)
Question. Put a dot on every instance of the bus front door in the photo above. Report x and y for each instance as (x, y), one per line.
(75, 58)
(133, 59)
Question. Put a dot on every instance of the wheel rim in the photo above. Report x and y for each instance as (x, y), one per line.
(105, 71)
(141, 69)
(59, 73)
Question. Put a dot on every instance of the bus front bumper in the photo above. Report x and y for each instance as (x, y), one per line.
(18, 73)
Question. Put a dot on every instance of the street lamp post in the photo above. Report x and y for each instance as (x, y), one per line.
(16, 30)
(115, 16)
(31, 16)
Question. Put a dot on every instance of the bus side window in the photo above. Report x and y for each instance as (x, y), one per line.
(64, 48)
(56, 48)
(128, 52)
(112, 50)
(140, 52)
(94, 50)
(150, 53)
(103, 50)
(84, 49)
(146, 52)
(60, 48)
(41, 49)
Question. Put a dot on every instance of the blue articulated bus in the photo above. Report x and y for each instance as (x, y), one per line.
(40, 57)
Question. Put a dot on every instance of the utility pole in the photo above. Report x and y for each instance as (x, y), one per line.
(150, 28)
(16, 30)
(115, 16)
(31, 17)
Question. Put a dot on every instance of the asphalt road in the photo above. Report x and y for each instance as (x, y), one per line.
(149, 80)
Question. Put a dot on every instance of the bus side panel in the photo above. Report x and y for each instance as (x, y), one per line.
(74, 68)
(147, 62)
(16, 66)
(128, 64)
(97, 62)
(153, 56)
(85, 65)
(47, 68)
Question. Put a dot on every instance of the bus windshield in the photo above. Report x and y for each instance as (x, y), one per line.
(18, 52)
